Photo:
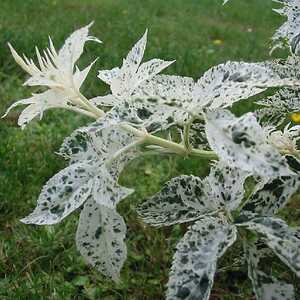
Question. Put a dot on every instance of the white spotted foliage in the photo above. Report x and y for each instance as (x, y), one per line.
(265, 286)
(125, 80)
(242, 142)
(282, 240)
(88, 174)
(289, 32)
(187, 198)
(257, 171)
(100, 238)
(195, 261)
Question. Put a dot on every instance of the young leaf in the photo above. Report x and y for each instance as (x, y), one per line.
(37, 104)
(100, 238)
(195, 260)
(56, 71)
(242, 143)
(284, 241)
(123, 81)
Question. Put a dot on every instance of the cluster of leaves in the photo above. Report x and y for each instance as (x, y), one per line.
(259, 147)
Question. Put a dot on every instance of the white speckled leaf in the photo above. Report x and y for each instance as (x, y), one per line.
(265, 287)
(73, 47)
(278, 291)
(107, 100)
(100, 238)
(168, 89)
(62, 194)
(125, 80)
(108, 75)
(164, 98)
(186, 198)
(290, 30)
(181, 200)
(242, 143)
(150, 68)
(225, 84)
(225, 184)
(273, 196)
(278, 106)
(93, 171)
(284, 241)
(101, 138)
(195, 260)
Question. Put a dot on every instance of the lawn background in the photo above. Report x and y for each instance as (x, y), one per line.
(42, 262)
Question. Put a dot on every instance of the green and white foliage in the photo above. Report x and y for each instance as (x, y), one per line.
(187, 198)
(100, 238)
(243, 143)
(125, 80)
(284, 241)
(278, 106)
(194, 263)
(265, 286)
(258, 150)
(289, 32)
(93, 175)
(273, 196)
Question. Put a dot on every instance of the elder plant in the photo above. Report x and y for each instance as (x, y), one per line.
(259, 149)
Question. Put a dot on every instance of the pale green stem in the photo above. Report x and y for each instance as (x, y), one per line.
(89, 106)
(123, 150)
(152, 139)
(81, 111)
(186, 134)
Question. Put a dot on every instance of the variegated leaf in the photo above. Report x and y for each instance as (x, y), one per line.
(168, 89)
(181, 200)
(73, 48)
(194, 263)
(186, 198)
(37, 104)
(62, 194)
(279, 106)
(273, 196)
(289, 31)
(225, 84)
(125, 80)
(284, 241)
(225, 184)
(100, 238)
(102, 137)
(242, 143)
(265, 287)
(93, 171)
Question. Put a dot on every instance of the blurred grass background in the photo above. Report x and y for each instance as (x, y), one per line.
(42, 262)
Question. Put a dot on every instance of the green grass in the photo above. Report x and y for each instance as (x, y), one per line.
(42, 262)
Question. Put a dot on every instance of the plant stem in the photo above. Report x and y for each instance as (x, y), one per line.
(150, 139)
(186, 134)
